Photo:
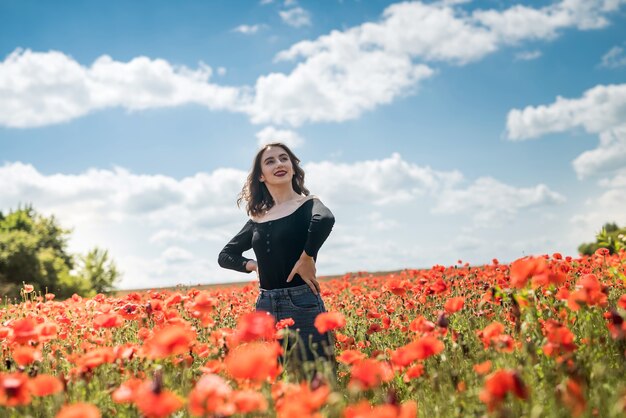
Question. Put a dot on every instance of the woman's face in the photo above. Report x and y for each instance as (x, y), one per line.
(276, 167)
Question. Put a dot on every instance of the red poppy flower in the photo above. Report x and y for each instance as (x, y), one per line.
(454, 304)
(572, 396)
(369, 373)
(210, 396)
(247, 401)
(413, 372)
(107, 320)
(483, 368)
(25, 355)
(284, 323)
(420, 324)
(364, 410)
(525, 268)
(255, 326)
(256, 361)
(24, 330)
(155, 402)
(44, 385)
(14, 389)
(126, 392)
(350, 356)
(96, 357)
(171, 340)
(79, 410)
(560, 338)
(328, 321)
(589, 290)
(498, 384)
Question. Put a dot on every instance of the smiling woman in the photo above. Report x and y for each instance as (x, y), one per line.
(286, 229)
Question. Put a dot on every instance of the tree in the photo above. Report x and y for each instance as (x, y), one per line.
(33, 250)
(611, 236)
(97, 269)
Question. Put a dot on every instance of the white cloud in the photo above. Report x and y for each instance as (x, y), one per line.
(249, 29)
(394, 181)
(41, 88)
(614, 58)
(492, 202)
(264, 2)
(379, 182)
(610, 155)
(607, 206)
(330, 83)
(270, 134)
(336, 77)
(601, 110)
(176, 255)
(163, 231)
(296, 17)
(527, 55)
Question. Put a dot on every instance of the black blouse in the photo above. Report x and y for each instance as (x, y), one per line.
(279, 243)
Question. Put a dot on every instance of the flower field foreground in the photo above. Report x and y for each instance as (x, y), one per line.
(542, 337)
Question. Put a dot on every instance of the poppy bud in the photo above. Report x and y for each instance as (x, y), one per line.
(157, 382)
(443, 321)
(616, 318)
(392, 397)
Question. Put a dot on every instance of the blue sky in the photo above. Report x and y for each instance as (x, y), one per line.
(433, 130)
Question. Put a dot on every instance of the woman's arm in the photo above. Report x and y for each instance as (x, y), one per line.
(322, 221)
(231, 255)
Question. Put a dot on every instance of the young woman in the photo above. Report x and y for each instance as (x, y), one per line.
(286, 229)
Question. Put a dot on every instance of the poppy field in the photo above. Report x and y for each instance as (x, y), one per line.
(542, 337)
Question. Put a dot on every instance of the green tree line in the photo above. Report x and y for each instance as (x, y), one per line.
(610, 236)
(33, 250)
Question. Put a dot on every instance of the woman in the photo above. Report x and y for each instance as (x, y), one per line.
(286, 229)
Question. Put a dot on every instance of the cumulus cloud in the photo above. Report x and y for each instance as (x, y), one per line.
(491, 201)
(337, 76)
(248, 29)
(270, 134)
(607, 206)
(296, 17)
(393, 181)
(601, 110)
(42, 88)
(164, 231)
(345, 73)
(381, 182)
(527, 55)
(614, 58)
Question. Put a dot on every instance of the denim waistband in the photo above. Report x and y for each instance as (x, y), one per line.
(296, 290)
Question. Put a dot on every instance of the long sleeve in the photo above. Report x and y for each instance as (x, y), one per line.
(322, 221)
(231, 255)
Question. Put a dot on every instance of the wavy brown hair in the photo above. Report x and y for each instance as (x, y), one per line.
(255, 192)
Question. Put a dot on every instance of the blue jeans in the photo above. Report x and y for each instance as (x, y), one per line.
(302, 305)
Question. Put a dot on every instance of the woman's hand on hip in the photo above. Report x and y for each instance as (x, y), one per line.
(252, 266)
(305, 267)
